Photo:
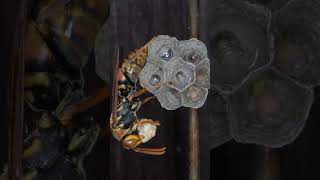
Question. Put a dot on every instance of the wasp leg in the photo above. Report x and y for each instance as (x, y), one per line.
(148, 121)
(143, 90)
(151, 151)
(132, 141)
(147, 100)
(137, 93)
(147, 132)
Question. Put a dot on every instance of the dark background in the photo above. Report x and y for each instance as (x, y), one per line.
(8, 15)
(297, 161)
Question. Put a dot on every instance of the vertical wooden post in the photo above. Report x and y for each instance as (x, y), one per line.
(136, 22)
(194, 171)
(271, 170)
(193, 11)
(194, 168)
(199, 131)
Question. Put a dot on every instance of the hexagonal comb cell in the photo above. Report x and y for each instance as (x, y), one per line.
(163, 49)
(269, 109)
(179, 73)
(151, 77)
(203, 74)
(238, 41)
(169, 98)
(296, 41)
(193, 50)
(194, 96)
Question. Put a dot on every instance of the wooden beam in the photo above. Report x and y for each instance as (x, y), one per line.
(194, 166)
(136, 22)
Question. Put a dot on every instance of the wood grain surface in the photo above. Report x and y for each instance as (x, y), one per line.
(134, 23)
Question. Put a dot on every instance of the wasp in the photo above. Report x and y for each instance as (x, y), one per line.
(124, 123)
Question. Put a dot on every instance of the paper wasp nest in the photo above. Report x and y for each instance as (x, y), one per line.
(177, 72)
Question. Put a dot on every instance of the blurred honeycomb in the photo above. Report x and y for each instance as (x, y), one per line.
(238, 41)
(265, 63)
(297, 40)
(269, 109)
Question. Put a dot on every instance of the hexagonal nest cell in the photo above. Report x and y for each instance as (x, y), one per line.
(239, 41)
(297, 40)
(269, 109)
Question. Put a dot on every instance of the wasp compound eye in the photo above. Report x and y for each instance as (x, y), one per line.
(182, 73)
